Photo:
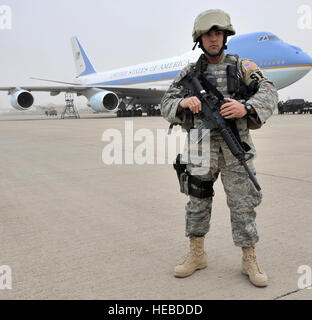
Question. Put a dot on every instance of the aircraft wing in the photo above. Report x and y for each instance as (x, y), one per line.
(45, 89)
(126, 91)
(121, 91)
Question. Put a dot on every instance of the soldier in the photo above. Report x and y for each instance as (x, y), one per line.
(211, 29)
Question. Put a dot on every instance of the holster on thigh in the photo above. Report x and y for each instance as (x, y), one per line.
(192, 185)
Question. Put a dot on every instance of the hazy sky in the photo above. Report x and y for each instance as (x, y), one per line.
(119, 33)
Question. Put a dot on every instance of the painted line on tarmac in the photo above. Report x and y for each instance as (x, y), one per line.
(277, 176)
(292, 292)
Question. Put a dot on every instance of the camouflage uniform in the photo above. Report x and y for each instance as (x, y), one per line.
(242, 197)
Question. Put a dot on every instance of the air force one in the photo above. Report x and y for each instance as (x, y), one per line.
(141, 87)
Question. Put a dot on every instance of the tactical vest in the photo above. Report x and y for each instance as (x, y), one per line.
(227, 78)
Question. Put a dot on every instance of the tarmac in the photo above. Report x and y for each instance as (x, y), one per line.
(74, 227)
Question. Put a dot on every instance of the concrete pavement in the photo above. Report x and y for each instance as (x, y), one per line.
(74, 228)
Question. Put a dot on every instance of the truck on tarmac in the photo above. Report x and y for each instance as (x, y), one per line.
(295, 106)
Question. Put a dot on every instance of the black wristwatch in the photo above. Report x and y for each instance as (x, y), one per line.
(248, 108)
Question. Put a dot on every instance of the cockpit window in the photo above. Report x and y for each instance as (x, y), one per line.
(274, 38)
(263, 38)
(267, 37)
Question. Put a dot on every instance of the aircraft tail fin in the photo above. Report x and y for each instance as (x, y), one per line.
(83, 65)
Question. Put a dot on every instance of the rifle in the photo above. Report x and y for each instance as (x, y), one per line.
(212, 119)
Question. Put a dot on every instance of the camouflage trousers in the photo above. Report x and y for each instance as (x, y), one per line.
(242, 198)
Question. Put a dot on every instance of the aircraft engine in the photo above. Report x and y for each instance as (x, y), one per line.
(104, 101)
(22, 100)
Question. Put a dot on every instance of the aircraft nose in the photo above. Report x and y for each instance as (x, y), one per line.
(308, 60)
(304, 59)
(297, 64)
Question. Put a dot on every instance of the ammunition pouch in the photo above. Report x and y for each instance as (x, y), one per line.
(202, 189)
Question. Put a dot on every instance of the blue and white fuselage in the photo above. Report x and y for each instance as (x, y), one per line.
(281, 62)
(144, 84)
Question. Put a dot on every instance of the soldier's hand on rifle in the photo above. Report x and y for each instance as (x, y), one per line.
(193, 103)
(233, 109)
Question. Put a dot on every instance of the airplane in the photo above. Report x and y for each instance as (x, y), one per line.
(130, 91)
(282, 63)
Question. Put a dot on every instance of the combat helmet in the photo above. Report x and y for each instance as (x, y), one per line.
(209, 19)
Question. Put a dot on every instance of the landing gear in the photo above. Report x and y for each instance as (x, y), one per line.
(129, 110)
(153, 112)
(129, 113)
(128, 107)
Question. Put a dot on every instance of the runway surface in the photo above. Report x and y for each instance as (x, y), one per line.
(73, 227)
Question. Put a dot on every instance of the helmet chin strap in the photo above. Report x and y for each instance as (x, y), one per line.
(200, 45)
(224, 47)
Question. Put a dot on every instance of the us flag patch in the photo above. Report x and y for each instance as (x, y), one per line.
(250, 65)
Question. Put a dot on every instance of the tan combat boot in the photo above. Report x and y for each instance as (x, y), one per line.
(252, 268)
(196, 259)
